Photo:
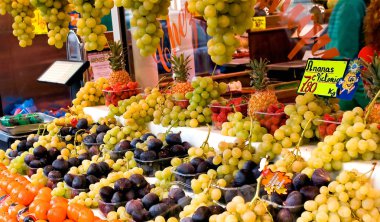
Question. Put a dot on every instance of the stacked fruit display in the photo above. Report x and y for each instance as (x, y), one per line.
(89, 95)
(123, 190)
(121, 87)
(350, 196)
(221, 109)
(152, 154)
(353, 139)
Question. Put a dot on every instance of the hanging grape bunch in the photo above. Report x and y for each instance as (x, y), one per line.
(225, 19)
(55, 14)
(89, 26)
(23, 13)
(145, 13)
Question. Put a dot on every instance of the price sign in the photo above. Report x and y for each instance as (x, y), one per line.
(321, 76)
(259, 23)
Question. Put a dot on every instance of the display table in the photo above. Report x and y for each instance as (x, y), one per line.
(196, 136)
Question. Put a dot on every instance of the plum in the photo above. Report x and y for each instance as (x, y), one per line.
(158, 209)
(176, 194)
(21, 147)
(249, 165)
(40, 151)
(91, 179)
(102, 129)
(138, 180)
(61, 165)
(137, 153)
(123, 185)
(28, 158)
(196, 161)
(79, 182)
(321, 177)
(54, 174)
(284, 215)
(94, 169)
(203, 167)
(123, 145)
(100, 137)
(186, 168)
(148, 155)
(202, 214)
(173, 138)
(150, 199)
(154, 144)
(309, 192)
(82, 123)
(35, 164)
(73, 161)
(300, 180)
(117, 197)
(48, 169)
(106, 193)
(134, 206)
(68, 178)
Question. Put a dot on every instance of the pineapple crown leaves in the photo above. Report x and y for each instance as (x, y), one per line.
(259, 79)
(371, 76)
(180, 67)
(117, 56)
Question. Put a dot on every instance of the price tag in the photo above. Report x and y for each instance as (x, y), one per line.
(259, 23)
(39, 24)
(321, 77)
(275, 181)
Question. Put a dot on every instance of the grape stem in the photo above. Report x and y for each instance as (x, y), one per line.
(213, 71)
(371, 170)
(205, 143)
(297, 151)
(75, 136)
(250, 135)
(171, 126)
(370, 106)
(256, 197)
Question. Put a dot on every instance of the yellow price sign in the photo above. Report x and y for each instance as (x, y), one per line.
(321, 76)
(39, 24)
(259, 23)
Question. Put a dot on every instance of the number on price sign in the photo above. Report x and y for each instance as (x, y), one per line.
(309, 85)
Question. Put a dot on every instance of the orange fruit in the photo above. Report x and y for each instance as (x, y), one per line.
(42, 210)
(56, 214)
(86, 215)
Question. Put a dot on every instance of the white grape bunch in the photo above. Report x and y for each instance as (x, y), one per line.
(89, 25)
(145, 13)
(55, 14)
(225, 19)
(23, 13)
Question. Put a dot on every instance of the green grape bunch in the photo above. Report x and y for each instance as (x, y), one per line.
(147, 29)
(89, 25)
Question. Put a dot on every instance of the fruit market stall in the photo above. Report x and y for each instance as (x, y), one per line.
(191, 150)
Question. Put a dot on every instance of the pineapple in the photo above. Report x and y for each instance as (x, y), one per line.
(180, 68)
(118, 75)
(262, 97)
(371, 80)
